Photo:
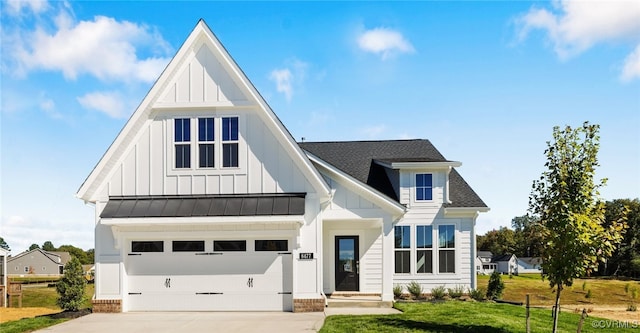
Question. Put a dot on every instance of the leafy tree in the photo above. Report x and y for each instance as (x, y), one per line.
(34, 246)
(71, 287)
(90, 254)
(528, 238)
(4, 244)
(495, 287)
(501, 241)
(621, 261)
(565, 199)
(76, 252)
(48, 246)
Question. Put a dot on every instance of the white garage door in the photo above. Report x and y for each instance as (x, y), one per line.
(209, 281)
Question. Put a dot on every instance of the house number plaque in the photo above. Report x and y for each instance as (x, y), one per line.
(306, 255)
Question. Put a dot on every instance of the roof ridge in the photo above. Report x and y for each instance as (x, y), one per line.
(352, 141)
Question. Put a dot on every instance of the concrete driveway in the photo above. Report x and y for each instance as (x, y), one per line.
(158, 322)
(241, 322)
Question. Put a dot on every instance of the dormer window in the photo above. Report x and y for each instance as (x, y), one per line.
(424, 187)
(182, 139)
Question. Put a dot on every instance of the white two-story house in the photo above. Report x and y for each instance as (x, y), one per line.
(205, 202)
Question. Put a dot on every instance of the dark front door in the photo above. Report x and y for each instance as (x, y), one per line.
(347, 262)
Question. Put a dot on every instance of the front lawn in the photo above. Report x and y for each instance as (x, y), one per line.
(458, 316)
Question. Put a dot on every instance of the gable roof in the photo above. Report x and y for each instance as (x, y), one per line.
(359, 160)
(485, 254)
(59, 258)
(201, 36)
(502, 257)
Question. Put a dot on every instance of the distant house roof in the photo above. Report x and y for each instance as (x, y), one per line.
(533, 261)
(358, 159)
(205, 205)
(57, 257)
(502, 257)
(485, 254)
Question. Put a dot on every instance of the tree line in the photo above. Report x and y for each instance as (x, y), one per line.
(85, 257)
(524, 239)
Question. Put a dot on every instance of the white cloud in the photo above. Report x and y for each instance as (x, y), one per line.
(631, 69)
(14, 7)
(385, 42)
(49, 107)
(373, 132)
(103, 47)
(575, 26)
(111, 103)
(283, 78)
(21, 231)
(286, 79)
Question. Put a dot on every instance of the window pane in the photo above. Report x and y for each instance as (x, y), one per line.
(147, 246)
(446, 236)
(206, 155)
(230, 155)
(205, 129)
(183, 156)
(271, 245)
(402, 262)
(447, 261)
(230, 129)
(182, 130)
(424, 262)
(230, 246)
(402, 237)
(424, 188)
(188, 246)
(424, 236)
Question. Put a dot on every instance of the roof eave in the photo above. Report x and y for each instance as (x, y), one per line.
(419, 165)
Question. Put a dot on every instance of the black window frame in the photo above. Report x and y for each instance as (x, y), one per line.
(271, 245)
(187, 246)
(147, 246)
(221, 246)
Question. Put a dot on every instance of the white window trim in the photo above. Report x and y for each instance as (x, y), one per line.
(410, 249)
(413, 251)
(456, 249)
(415, 248)
(414, 192)
(169, 149)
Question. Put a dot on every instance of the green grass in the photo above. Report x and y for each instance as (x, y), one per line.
(29, 324)
(457, 316)
(603, 291)
(46, 297)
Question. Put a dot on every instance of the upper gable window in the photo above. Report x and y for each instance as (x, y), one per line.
(230, 142)
(424, 187)
(206, 137)
(182, 137)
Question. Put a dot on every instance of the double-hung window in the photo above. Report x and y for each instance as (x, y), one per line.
(424, 186)
(402, 249)
(447, 249)
(206, 144)
(230, 142)
(424, 249)
(182, 142)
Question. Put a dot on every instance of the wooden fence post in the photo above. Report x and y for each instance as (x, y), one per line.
(528, 315)
(584, 315)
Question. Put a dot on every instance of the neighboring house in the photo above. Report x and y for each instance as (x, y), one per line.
(529, 265)
(4, 254)
(89, 272)
(205, 202)
(38, 262)
(484, 264)
(506, 263)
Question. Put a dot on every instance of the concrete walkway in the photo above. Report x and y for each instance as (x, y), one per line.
(242, 322)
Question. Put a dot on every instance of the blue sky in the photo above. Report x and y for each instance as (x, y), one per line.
(484, 81)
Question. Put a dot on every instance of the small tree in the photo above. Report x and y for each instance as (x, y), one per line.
(71, 287)
(4, 245)
(566, 201)
(495, 287)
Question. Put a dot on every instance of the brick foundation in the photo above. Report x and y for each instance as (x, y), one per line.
(308, 305)
(107, 305)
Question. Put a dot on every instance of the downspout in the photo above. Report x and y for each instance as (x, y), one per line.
(320, 246)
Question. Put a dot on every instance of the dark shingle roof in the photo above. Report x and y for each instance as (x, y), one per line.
(357, 159)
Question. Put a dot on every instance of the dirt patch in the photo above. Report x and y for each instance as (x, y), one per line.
(11, 314)
(68, 314)
(606, 311)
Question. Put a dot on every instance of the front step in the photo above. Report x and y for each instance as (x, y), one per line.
(357, 301)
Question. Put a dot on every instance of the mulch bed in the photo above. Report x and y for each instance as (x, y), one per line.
(68, 314)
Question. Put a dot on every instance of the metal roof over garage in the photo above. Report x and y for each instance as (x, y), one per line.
(205, 205)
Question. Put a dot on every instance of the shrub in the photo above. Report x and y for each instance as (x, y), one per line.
(634, 293)
(588, 295)
(477, 294)
(397, 290)
(456, 292)
(584, 285)
(415, 289)
(495, 287)
(71, 287)
(626, 288)
(632, 307)
(439, 292)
